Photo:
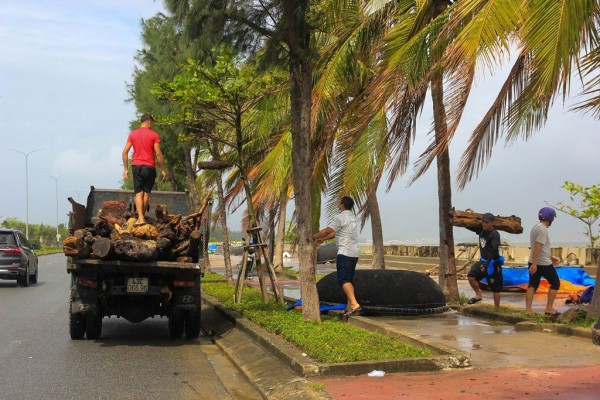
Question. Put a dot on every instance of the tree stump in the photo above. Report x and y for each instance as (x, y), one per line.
(136, 250)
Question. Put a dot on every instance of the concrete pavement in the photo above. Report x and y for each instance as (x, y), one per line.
(506, 364)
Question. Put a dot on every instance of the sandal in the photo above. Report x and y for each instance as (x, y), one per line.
(473, 300)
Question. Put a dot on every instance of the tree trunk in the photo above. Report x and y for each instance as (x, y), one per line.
(76, 247)
(190, 175)
(297, 37)
(136, 250)
(222, 215)
(280, 239)
(378, 261)
(594, 308)
(104, 248)
(447, 277)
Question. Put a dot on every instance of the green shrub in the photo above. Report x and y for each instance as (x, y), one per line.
(331, 341)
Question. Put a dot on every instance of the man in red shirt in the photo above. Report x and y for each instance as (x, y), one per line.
(146, 145)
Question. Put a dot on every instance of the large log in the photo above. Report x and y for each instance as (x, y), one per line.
(472, 220)
(103, 228)
(115, 212)
(104, 248)
(76, 247)
(136, 250)
(165, 249)
(194, 246)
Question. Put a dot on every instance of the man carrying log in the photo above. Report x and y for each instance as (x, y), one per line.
(146, 146)
(490, 264)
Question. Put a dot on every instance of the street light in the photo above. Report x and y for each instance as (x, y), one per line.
(56, 177)
(26, 187)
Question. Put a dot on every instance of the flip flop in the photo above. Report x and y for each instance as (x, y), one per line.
(354, 311)
(139, 223)
(554, 314)
(473, 300)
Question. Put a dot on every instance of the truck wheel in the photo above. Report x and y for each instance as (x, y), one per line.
(93, 325)
(192, 324)
(76, 324)
(176, 322)
(24, 280)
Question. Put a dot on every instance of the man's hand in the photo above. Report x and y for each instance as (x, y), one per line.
(555, 261)
(164, 175)
(125, 174)
(532, 269)
(318, 242)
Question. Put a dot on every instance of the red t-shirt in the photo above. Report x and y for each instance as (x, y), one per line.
(143, 140)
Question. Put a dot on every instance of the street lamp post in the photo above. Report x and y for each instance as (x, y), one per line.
(56, 177)
(26, 187)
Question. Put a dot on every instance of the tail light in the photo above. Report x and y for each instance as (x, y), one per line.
(16, 250)
(177, 283)
(86, 282)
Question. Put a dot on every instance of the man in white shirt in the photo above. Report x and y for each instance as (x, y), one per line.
(541, 263)
(343, 228)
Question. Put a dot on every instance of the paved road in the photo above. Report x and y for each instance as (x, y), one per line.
(38, 360)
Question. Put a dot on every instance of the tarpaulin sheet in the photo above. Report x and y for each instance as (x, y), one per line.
(572, 279)
(324, 307)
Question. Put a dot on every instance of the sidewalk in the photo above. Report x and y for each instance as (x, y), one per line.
(574, 383)
(506, 363)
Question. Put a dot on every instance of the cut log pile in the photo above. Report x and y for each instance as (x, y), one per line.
(472, 220)
(168, 237)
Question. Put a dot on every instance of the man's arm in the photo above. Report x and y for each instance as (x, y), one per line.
(125, 158)
(536, 253)
(496, 245)
(323, 235)
(161, 160)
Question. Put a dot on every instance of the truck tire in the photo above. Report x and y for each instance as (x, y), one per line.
(76, 324)
(176, 323)
(93, 325)
(192, 324)
(24, 280)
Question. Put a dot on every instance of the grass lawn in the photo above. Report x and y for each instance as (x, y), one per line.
(331, 341)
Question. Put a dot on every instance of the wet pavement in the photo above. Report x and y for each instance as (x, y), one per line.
(505, 364)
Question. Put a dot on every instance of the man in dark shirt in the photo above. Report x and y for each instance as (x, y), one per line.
(489, 244)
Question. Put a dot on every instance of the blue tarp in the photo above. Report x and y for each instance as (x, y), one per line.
(324, 307)
(514, 276)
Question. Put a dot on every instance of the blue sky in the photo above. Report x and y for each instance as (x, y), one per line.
(63, 75)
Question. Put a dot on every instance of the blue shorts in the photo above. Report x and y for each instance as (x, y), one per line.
(345, 268)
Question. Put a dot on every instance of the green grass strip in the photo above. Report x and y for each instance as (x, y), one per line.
(331, 341)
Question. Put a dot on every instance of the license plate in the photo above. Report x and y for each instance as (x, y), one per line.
(137, 285)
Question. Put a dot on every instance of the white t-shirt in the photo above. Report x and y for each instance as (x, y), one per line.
(346, 236)
(539, 234)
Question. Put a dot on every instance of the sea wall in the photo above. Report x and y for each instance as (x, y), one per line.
(573, 255)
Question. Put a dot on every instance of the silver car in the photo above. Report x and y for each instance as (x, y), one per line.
(18, 261)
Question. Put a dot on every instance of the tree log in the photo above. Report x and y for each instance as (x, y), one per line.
(194, 246)
(114, 212)
(136, 250)
(80, 233)
(472, 220)
(104, 248)
(76, 247)
(103, 228)
(165, 249)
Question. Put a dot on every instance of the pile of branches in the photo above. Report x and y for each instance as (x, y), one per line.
(115, 236)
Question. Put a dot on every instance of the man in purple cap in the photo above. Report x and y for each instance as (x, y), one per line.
(489, 251)
(541, 262)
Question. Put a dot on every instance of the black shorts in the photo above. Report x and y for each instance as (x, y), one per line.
(143, 178)
(345, 268)
(479, 271)
(545, 271)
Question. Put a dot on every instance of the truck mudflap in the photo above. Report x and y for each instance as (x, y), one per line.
(83, 304)
(186, 298)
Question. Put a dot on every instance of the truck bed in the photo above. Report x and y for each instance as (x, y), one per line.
(132, 266)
